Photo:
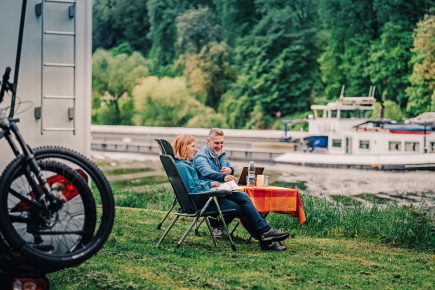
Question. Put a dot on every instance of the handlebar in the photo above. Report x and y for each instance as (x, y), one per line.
(5, 83)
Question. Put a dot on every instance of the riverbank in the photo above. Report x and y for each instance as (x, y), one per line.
(402, 187)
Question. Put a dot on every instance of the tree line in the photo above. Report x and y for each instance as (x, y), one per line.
(250, 63)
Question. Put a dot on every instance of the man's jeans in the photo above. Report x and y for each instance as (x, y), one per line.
(245, 210)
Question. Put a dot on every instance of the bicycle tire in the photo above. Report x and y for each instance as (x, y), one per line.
(101, 192)
(42, 236)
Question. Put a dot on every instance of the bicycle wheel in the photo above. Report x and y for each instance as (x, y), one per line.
(101, 192)
(31, 228)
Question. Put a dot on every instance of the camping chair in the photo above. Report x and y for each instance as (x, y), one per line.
(166, 148)
(188, 207)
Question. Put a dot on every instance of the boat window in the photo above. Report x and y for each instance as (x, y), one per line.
(336, 143)
(412, 146)
(432, 147)
(395, 146)
(364, 144)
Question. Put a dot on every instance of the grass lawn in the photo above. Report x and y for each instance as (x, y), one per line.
(122, 170)
(130, 260)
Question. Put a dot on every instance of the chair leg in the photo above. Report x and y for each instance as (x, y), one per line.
(186, 233)
(168, 229)
(221, 217)
(159, 226)
(198, 224)
(234, 229)
(211, 231)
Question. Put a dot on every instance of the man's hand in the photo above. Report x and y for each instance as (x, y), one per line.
(226, 170)
(215, 184)
(229, 178)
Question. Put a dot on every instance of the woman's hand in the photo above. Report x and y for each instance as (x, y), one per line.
(229, 178)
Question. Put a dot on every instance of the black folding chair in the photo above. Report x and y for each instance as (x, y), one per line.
(188, 207)
(166, 148)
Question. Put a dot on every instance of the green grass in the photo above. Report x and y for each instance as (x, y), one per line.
(130, 260)
(146, 180)
(346, 217)
(343, 244)
(120, 171)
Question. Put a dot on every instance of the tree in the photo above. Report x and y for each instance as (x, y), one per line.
(119, 21)
(237, 17)
(195, 29)
(204, 58)
(389, 66)
(168, 102)
(113, 77)
(422, 90)
(278, 65)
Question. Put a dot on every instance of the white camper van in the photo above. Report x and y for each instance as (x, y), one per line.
(54, 84)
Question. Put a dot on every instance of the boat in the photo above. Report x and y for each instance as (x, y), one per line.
(344, 134)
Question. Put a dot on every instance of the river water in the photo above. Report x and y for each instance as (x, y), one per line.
(404, 187)
(398, 186)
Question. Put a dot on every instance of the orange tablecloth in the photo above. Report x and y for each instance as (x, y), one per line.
(277, 199)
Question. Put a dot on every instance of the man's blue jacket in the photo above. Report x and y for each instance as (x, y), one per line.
(209, 167)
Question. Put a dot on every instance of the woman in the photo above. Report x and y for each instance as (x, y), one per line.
(252, 220)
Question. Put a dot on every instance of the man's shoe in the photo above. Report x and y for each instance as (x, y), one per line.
(219, 232)
(272, 246)
(223, 231)
(274, 235)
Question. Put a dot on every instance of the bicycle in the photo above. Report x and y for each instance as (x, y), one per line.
(56, 206)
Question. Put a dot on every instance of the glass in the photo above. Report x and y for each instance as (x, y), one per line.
(260, 180)
(266, 181)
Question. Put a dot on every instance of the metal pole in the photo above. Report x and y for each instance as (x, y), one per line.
(18, 57)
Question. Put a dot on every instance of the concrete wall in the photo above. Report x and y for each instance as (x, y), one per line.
(55, 89)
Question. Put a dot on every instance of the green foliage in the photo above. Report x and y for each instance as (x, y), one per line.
(390, 223)
(237, 17)
(164, 102)
(113, 78)
(251, 60)
(207, 119)
(279, 71)
(422, 90)
(389, 57)
(392, 111)
(119, 113)
(123, 48)
(369, 43)
(118, 21)
(163, 30)
(209, 73)
(195, 29)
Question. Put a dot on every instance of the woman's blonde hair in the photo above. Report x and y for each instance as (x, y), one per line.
(180, 145)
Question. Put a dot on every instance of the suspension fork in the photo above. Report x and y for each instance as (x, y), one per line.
(31, 162)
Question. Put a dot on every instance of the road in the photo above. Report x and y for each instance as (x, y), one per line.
(259, 145)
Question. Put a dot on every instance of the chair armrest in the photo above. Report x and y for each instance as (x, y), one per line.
(212, 192)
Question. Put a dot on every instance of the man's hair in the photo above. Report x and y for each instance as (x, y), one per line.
(215, 131)
(180, 145)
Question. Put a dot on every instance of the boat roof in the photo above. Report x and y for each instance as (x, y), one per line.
(339, 105)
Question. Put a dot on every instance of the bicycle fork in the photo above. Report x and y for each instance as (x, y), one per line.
(43, 191)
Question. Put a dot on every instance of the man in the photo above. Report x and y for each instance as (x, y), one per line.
(211, 161)
(213, 164)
